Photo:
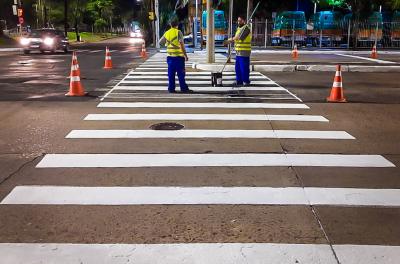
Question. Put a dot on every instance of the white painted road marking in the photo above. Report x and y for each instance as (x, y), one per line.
(199, 89)
(219, 117)
(366, 58)
(202, 73)
(284, 134)
(196, 253)
(77, 195)
(189, 82)
(210, 160)
(193, 253)
(200, 105)
(190, 77)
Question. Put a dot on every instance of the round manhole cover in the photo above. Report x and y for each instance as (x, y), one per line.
(167, 126)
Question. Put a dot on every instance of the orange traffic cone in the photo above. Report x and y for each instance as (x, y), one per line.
(143, 53)
(75, 63)
(295, 52)
(374, 53)
(75, 86)
(337, 95)
(108, 62)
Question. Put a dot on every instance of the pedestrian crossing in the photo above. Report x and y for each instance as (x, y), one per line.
(139, 99)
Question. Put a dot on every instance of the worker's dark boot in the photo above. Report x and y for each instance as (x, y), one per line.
(235, 84)
(187, 91)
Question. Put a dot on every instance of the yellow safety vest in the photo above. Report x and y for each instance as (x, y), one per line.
(245, 44)
(172, 42)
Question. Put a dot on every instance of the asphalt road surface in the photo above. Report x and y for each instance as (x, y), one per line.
(264, 174)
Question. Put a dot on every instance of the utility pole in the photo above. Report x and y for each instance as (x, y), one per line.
(230, 27)
(249, 7)
(65, 17)
(210, 33)
(157, 20)
(195, 28)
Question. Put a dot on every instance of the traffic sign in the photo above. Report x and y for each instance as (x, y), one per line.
(151, 16)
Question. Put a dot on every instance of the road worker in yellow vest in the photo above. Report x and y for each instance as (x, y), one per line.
(176, 58)
(242, 40)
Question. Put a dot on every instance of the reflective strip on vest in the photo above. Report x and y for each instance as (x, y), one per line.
(245, 44)
(173, 45)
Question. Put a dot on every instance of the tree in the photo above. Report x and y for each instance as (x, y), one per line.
(100, 11)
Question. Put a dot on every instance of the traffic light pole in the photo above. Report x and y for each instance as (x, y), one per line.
(210, 33)
(157, 20)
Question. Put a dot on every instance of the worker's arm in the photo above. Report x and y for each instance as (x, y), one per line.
(244, 32)
(162, 41)
(182, 44)
(183, 49)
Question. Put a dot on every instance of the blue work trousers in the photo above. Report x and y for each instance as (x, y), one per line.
(242, 68)
(176, 65)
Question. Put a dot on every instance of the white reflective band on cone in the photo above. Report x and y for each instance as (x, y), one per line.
(74, 67)
(337, 84)
(108, 57)
(75, 79)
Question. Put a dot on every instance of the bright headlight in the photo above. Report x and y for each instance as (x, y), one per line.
(48, 41)
(24, 41)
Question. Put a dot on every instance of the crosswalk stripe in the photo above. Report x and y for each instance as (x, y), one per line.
(191, 77)
(290, 134)
(200, 105)
(121, 96)
(165, 82)
(147, 68)
(210, 160)
(199, 88)
(77, 195)
(190, 73)
(195, 253)
(221, 117)
(95, 51)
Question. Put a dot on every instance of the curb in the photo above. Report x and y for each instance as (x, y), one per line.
(299, 68)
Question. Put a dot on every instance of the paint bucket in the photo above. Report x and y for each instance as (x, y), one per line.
(216, 79)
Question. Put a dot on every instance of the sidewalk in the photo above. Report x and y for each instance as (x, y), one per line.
(316, 60)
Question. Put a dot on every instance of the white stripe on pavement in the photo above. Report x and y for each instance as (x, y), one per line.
(366, 58)
(193, 253)
(146, 68)
(179, 97)
(220, 117)
(211, 160)
(202, 89)
(363, 254)
(78, 195)
(189, 73)
(289, 134)
(197, 253)
(95, 51)
(165, 82)
(200, 105)
(190, 77)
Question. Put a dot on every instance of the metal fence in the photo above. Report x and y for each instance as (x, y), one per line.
(346, 34)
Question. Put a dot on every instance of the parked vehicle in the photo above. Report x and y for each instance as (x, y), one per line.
(395, 33)
(220, 24)
(289, 25)
(372, 30)
(326, 28)
(46, 39)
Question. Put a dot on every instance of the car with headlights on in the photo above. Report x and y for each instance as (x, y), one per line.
(43, 40)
